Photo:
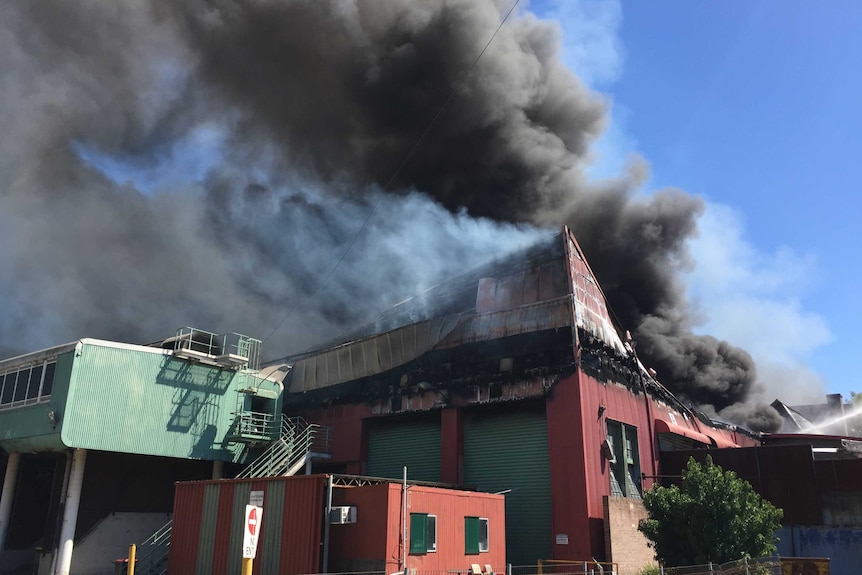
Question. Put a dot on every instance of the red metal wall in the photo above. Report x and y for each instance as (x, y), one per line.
(579, 472)
(347, 440)
(451, 446)
(451, 507)
(298, 509)
(366, 540)
(378, 531)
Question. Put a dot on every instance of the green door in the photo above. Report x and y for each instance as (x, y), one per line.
(413, 441)
(507, 449)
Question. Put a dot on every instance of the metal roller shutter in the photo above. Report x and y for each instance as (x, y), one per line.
(508, 449)
(396, 442)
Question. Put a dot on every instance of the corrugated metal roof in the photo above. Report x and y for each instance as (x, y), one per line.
(544, 315)
(548, 286)
(36, 356)
(369, 356)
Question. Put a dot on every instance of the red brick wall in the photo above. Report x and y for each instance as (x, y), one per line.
(624, 544)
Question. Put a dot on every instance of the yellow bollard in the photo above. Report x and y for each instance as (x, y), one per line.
(131, 567)
(247, 564)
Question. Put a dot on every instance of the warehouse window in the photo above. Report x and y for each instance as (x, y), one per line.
(475, 535)
(27, 385)
(423, 533)
(625, 461)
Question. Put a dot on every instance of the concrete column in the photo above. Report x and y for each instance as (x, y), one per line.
(8, 495)
(70, 513)
(218, 469)
(67, 471)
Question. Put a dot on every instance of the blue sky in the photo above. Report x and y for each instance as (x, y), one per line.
(757, 107)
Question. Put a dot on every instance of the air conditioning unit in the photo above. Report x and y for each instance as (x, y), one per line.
(342, 515)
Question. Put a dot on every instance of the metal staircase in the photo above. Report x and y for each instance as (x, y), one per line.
(297, 443)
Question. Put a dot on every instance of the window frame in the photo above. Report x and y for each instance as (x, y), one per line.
(624, 466)
(26, 389)
(477, 535)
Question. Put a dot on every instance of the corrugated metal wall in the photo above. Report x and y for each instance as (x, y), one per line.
(209, 518)
(508, 449)
(398, 441)
(139, 400)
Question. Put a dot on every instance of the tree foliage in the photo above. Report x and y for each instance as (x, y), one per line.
(712, 516)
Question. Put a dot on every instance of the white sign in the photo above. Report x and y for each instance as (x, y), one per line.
(562, 539)
(251, 530)
(256, 498)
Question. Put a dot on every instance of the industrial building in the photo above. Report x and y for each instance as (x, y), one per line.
(96, 433)
(511, 378)
(510, 382)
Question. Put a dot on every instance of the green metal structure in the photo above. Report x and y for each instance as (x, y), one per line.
(193, 400)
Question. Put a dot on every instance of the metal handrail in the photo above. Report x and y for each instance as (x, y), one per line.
(159, 546)
(298, 438)
(244, 351)
(257, 424)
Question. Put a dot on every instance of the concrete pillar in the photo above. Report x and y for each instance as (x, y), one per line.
(70, 513)
(67, 471)
(451, 446)
(218, 469)
(7, 496)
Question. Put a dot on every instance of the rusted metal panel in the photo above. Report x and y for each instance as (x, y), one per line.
(591, 308)
(535, 284)
(224, 525)
(208, 529)
(186, 535)
(302, 524)
(552, 314)
(270, 535)
(241, 492)
(209, 520)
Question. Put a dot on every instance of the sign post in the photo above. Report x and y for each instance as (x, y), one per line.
(250, 534)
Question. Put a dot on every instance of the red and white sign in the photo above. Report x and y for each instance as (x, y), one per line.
(251, 530)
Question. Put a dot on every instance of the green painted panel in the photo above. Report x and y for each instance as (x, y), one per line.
(133, 399)
(396, 442)
(273, 521)
(418, 533)
(209, 522)
(471, 535)
(241, 493)
(508, 449)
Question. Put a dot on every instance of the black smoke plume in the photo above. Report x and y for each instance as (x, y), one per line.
(311, 108)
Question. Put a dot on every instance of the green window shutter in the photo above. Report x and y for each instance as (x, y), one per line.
(418, 533)
(471, 535)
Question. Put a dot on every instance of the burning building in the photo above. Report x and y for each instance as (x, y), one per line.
(512, 378)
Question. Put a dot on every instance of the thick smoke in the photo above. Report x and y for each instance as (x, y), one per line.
(313, 107)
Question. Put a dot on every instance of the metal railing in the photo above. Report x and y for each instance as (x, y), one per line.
(562, 567)
(152, 556)
(253, 424)
(763, 566)
(286, 454)
(229, 348)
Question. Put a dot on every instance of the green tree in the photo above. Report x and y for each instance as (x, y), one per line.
(712, 516)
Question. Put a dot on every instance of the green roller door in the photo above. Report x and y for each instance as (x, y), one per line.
(396, 442)
(508, 450)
